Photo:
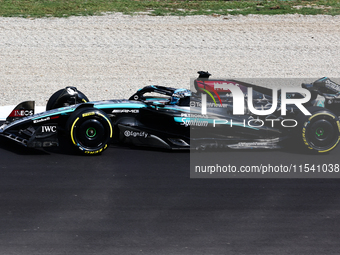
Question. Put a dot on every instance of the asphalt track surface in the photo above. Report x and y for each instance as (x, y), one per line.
(142, 201)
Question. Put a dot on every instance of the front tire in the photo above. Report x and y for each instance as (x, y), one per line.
(319, 132)
(90, 130)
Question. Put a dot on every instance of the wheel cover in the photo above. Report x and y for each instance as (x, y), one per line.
(90, 134)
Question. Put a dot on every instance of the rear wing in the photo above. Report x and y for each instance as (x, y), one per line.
(323, 86)
(203, 82)
(24, 109)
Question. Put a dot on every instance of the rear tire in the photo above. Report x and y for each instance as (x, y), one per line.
(62, 98)
(90, 130)
(319, 132)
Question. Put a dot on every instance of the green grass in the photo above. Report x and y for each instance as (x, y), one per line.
(66, 8)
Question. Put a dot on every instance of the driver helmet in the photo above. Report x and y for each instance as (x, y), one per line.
(180, 96)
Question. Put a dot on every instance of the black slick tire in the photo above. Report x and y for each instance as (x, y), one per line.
(90, 130)
(319, 132)
(61, 99)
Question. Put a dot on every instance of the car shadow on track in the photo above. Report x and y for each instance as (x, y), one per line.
(19, 149)
(66, 148)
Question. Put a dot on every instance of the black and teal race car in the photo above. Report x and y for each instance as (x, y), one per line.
(171, 118)
(92, 126)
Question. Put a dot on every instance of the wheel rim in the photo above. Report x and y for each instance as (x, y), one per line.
(91, 133)
(323, 134)
(320, 132)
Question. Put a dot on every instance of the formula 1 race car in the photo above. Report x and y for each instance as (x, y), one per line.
(91, 126)
(246, 116)
(211, 117)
